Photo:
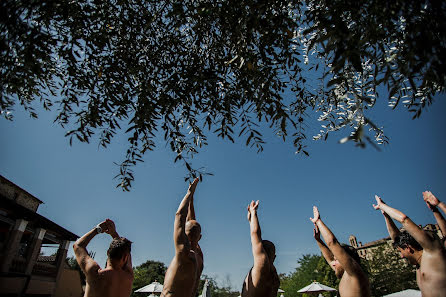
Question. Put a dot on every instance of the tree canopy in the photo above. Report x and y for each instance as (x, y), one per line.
(182, 70)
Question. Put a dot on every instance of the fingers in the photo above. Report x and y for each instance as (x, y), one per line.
(193, 185)
(378, 199)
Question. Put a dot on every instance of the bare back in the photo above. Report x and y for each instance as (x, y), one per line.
(354, 285)
(183, 275)
(431, 275)
(109, 283)
(261, 284)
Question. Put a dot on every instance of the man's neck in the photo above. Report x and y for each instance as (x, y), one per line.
(115, 265)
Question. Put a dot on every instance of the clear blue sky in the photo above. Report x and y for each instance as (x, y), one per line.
(76, 183)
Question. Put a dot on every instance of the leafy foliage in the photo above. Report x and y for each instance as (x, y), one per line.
(310, 268)
(389, 273)
(146, 273)
(182, 70)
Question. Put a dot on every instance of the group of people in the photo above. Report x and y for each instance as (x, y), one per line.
(182, 277)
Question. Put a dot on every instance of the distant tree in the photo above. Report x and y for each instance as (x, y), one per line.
(389, 273)
(310, 268)
(147, 273)
(182, 70)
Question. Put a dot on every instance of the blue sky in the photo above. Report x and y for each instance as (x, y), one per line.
(76, 183)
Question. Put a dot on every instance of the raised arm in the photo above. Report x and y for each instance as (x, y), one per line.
(258, 251)
(418, 234)
(433, 203)
(86, 263)
(390, 224)
(328, 255)
(191, 210)
(335, 247)
(179, 234)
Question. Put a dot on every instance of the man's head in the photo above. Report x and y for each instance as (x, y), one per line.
(338, 268)
(270, 249)
(193, 231)
(407, 246)
(119, 249)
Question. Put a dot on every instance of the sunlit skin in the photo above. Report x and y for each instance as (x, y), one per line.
(113, 281)
(433, 203)
(354, 282)
(262, 280)
(430, 261)
(183, 275)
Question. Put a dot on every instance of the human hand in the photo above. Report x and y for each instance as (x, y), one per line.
(252, 207)
(316, 233)
(111, 228)
(193, 186)
(316, 215)
(430, 199)
(104, 226)
(378, 204)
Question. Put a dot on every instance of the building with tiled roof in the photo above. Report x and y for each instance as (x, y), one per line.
(24, 233)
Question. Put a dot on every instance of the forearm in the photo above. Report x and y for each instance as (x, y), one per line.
(326, 233)
(191, 210)
(85, 240)
(391, 227)
(114, 234)
(440, 220)
(183, 209)
(394, 213)
(442, 206)
(328, 255)
(256, 233)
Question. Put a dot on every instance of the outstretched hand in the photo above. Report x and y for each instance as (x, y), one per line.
(430, 199)
(316, 215)
(193, 186)
(252, 207)
(378, 204)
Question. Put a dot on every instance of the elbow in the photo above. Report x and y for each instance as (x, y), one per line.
(403, 219)
(331, 242)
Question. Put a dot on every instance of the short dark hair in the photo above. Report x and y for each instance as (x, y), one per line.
(404, 239)
(351, 251)
(119, 247)
(269, 247)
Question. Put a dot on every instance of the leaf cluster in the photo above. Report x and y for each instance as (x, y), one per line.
(181, 70)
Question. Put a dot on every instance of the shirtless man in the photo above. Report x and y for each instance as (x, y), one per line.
(433, 203)
(262, 280)
(343, 259)
(183, 275)
(116, 279)
(419, 248)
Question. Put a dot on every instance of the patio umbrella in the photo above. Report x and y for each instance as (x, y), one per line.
(154, 287)
(315, 288)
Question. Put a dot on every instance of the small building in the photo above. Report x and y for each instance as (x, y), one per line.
(366, 250)
(23, 232)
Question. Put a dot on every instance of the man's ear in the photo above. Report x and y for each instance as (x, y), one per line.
(199, 238)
